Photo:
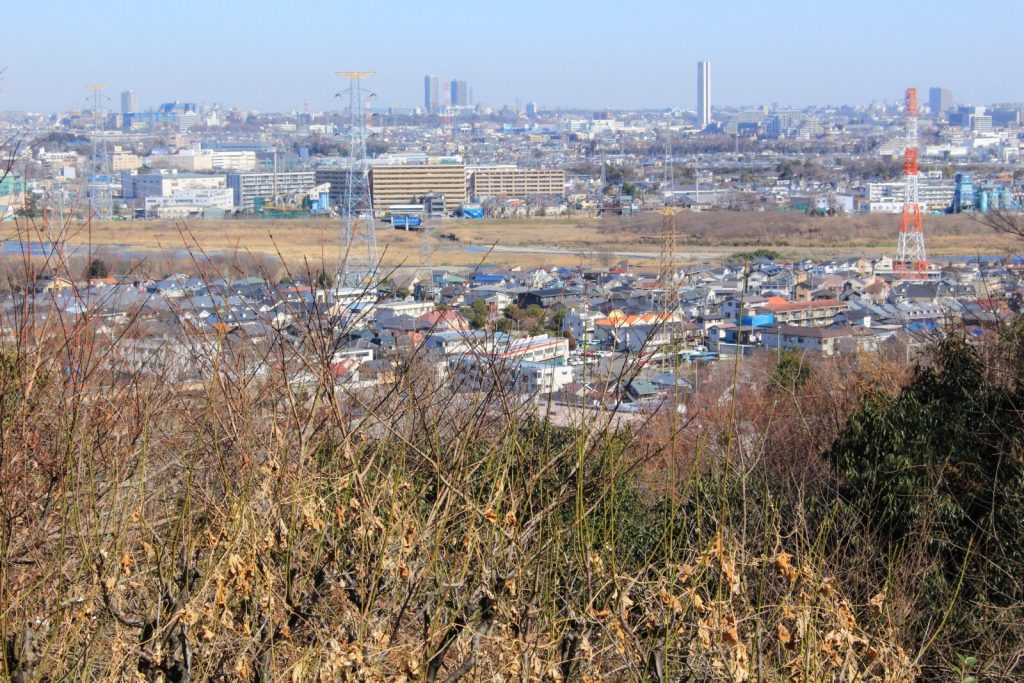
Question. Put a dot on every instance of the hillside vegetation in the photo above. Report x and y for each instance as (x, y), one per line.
(858, 521)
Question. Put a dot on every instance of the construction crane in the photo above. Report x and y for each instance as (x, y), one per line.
(911, 262)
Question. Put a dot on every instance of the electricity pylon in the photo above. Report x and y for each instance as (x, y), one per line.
(101, 199)
(666, 265)
(359, 264)
(911, 262)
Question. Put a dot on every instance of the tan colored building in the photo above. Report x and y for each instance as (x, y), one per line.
(408, 183)
(514, 182)
(189, 162)
(124, 161)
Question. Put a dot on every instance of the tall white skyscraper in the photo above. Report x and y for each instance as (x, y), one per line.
(129, 102)
(704, 94)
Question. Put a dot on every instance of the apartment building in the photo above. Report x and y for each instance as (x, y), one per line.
(409, 183)
(515, 183)
(124, 161)
(338, 179)
(806, 313)
(13, 189)
(827, 341)
(188, 161)
(519, 376)
(268, 186)
(231, 160)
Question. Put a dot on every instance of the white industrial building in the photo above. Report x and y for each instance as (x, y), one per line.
(182, 203)
(166, 183)
(934, 191)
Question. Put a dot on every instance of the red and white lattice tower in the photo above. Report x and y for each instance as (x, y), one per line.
(911, 262)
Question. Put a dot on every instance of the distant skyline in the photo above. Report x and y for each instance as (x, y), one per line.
(592, 55)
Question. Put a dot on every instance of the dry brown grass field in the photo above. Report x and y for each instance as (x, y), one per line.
(543, 241)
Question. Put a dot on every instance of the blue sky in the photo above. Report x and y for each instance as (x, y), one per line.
(275, 56)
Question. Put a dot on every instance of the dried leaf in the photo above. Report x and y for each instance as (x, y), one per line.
(670, 602)
(875, 604)
(784, 564)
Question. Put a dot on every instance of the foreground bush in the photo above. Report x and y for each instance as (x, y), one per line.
(937, 470)
(245, 528)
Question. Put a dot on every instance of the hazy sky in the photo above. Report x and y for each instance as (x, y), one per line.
(275, 56)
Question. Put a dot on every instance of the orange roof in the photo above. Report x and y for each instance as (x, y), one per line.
(804, 305)
(621, 319)
(449, 316)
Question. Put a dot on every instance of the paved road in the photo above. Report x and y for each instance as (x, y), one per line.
(538, 249)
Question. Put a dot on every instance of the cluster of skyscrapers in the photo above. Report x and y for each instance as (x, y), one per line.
(434, 102)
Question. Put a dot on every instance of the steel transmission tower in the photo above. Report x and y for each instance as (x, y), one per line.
(911, 262)
(359, 263)
(666, 265)
(101, 199)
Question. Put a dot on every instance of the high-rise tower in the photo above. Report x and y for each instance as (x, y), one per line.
(940, 101)
(359, 239)
(703, 94)
(459, 93)
(129, 102)
(431, 94)
(911, 262)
